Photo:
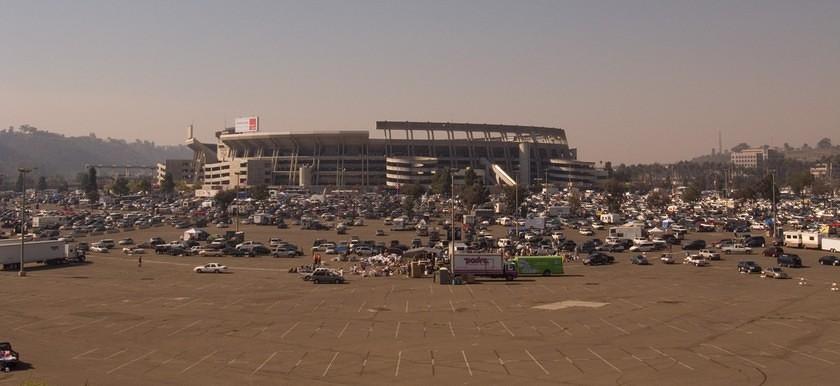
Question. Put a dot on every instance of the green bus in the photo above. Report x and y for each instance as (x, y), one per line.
(539, 265)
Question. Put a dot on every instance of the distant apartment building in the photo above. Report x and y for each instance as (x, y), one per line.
(181, 169)
(753, 158)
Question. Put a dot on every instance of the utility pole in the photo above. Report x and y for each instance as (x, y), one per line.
(23, 172)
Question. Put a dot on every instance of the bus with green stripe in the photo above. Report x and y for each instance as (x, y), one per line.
(539, 265)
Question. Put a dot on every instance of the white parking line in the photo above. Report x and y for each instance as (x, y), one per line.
(451, 306)
(264, 362)
(623, 331)
(406, 306)
(537, 362)
(671, 358)
(564, 329)
(604, 360)
(114, 354)
(397, 369)
(319, 305)
(85, 353)
(184, 328)
(397, 333)
(330, 364)
(199, 361)
(85, 324)
(185, 304)
(289, 330)
(344, 329)
(804, 354)
(361, 306)
(466, 362)
(754, 363)
(506, 328)
(132, 327)
(131, 361)
(451, 330)
(497, 306)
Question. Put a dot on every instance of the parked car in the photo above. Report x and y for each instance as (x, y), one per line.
(328, 277)
(774, 273)
(709, 254)
(755, 242)
(773, 251)
(211, 267)
(829, 260)
(789, 260)
(694, 245)
(586, 232)
(667, 258)
(646, 246)
(210, 252)
(639, 260)
(747, 266)
(736, 248)
(598, 259)
(696, 260)
(126, 241)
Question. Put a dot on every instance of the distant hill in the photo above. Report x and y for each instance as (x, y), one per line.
(57, 155)
(809, 154)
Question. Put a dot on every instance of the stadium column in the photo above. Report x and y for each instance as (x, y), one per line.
(524, 164)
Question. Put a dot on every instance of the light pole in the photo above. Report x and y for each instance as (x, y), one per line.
(23, 172)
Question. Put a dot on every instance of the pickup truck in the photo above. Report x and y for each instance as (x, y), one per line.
(736, 248)
(211, 267)
(709, 254)
(8, 357)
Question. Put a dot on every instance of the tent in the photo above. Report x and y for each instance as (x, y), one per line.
(195, 234)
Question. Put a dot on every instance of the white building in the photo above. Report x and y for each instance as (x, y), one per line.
(753, 158)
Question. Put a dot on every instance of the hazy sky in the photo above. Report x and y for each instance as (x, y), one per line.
(630, 81)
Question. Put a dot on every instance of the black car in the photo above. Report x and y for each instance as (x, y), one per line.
(230, 251)
(829, 260)
(639, 260)
(748, 267)
(755, 242)
(695, 245)
(773, 251)
(567, 246)
(587, 247)
(598, 259)
(789, 260)
(671, 239)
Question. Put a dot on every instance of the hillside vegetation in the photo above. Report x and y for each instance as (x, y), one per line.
(58, 155)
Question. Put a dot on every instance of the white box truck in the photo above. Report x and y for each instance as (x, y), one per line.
(47, 221)
(51, 252)
(483, 265)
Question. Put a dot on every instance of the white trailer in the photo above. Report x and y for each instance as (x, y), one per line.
(800, 239)
(831, 244)
(627, 232)
(46, 221)
(51, 252)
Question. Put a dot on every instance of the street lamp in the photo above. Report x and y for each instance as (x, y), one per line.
(23, 172)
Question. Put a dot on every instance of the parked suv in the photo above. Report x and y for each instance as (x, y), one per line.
(695, 245)
(789, 260)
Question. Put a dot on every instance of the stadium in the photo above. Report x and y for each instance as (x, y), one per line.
(398, 153)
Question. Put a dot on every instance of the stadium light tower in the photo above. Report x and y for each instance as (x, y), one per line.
(23, 172)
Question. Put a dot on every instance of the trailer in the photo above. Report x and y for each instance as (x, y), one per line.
(483, 265)
(627, 232)
(47, 221)
(831, 244)
(802, 239)
(50, 252)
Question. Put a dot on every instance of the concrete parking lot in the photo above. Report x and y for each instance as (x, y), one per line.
(112, 322)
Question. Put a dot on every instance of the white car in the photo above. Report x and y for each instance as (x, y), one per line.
(709, 254)
(696, 260)
(247, 243)
(98, 248)
(586, 232)
(210, 252)
(133, 251)
(736, 248)
(667, 258)
(211, 267)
